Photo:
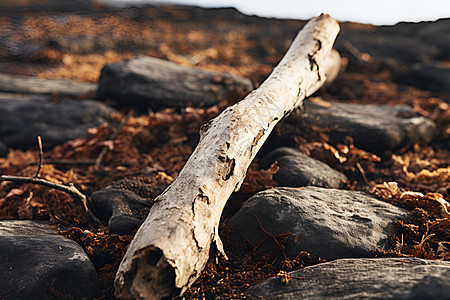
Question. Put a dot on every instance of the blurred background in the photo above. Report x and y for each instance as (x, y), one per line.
(382, 12)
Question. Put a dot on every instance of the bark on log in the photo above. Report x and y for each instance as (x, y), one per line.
(173, 245)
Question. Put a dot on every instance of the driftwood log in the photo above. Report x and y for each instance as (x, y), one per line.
(173, 245)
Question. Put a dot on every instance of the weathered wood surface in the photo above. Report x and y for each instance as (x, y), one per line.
(173, 245)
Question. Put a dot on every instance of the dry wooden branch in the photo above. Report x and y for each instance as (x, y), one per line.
(173, 245)
(69, 188)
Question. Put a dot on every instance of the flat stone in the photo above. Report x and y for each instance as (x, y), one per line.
(38, 263)
(123, 205)
(364, 278)
(297, 169)
(22, 119)
(374, 128)
(327, 223)
(433, 76)
(150, 82)
(13, 50)
(29, 85)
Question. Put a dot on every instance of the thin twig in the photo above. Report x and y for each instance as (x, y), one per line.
(68, 188)
(248, 241)
(360, 56)
(61, 220)
(260, 243)
(363, 173)
(272, 236)
(102, 154)
(41, 157)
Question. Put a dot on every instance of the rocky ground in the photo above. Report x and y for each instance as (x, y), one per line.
(349, 194)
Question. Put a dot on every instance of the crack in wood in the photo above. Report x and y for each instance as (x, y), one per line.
(199, 248)
(229, 166)
(312, 59)
(256, 139)
(194, 227)
(202, 197)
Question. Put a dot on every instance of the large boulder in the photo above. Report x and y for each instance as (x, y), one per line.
(29, 85)
(38, 263)
(24, 118)
(297, 169)
(368, 278)
(374, 128)
(150, 82)
(327, 223)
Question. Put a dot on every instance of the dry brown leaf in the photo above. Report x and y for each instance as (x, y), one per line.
(258, 180)
(432, 202)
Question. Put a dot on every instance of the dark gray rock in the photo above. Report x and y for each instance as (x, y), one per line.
(123, 205)
(29, 85)
(382, 278)
(38, 263)
(387, 46)
(22, 119)
(437, 34)
(401, 44)
(150, 82)
(432, 76)
(397, 47)
(375, 128)
(3, 149)
(12, 50)
(327, 223)
(297, 169)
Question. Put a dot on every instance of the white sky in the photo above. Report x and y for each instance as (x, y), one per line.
(378, 12)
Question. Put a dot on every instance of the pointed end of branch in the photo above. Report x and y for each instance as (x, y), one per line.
(327, 20)
(323, 16)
